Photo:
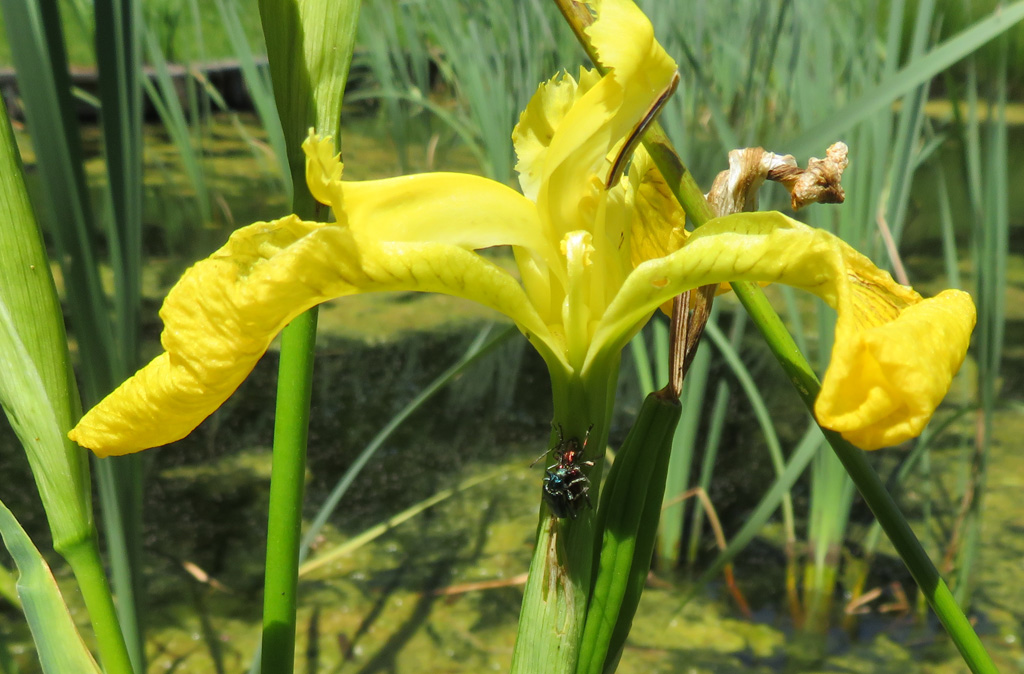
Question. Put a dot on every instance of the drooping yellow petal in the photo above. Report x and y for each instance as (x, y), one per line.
(895, 353)
(886, 377)
(222, 315)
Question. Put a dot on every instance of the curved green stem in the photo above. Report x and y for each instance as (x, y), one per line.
(869, 484)
(85, 562)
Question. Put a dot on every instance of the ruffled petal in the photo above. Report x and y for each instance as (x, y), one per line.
(640, 74)
(539, 121)
(895, 353)
(222, 315)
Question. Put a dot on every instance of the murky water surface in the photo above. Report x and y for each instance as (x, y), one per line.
(441, 593)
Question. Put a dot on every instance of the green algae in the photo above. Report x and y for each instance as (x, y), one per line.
(442, 593)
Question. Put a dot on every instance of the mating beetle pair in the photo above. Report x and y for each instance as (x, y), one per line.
(565, 485)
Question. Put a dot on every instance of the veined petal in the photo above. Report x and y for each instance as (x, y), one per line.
(576, 316)
(659, 221)
(222, 315)
(895, 353)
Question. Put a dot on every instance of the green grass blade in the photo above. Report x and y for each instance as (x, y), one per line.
(59, 646)
(118, 57)
(950, 253)
(769, 503)
(680, 465)
(761, 413)
(993, 244)
(163, 95)
(260, 89)
(642, 361)
(361, 539)
(716, 424)
(476, 350)
(463, 130)
(37, 46)
(913, 74)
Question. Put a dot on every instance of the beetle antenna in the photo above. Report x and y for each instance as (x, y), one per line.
(561, 443)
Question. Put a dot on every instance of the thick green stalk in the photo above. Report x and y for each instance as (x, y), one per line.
(309, 48)
(291, 425)
(84, 560)
(554, 610)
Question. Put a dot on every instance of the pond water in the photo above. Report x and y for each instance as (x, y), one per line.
(442, 593)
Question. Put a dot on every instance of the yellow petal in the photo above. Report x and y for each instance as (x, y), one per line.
(539, 121)
(464, 210)
(222, 315)
(580, 137)
(659, 221)
(885, 380)
(895, 353)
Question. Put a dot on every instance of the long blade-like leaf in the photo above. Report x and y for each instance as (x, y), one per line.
(58, 644)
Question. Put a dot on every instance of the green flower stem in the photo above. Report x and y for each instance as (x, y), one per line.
(309, 48)
(85, 562)
(287, 482)
(554, 610)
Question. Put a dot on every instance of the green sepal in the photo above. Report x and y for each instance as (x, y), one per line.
(628, 521)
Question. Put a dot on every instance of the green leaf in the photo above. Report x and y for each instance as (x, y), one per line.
(59, 646)
(37, 390)
(628, 517)
(37, 48)
(915, 73)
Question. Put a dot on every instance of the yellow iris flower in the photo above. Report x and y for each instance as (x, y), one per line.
(597, 249)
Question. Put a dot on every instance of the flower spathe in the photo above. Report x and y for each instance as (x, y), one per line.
(597, 253)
